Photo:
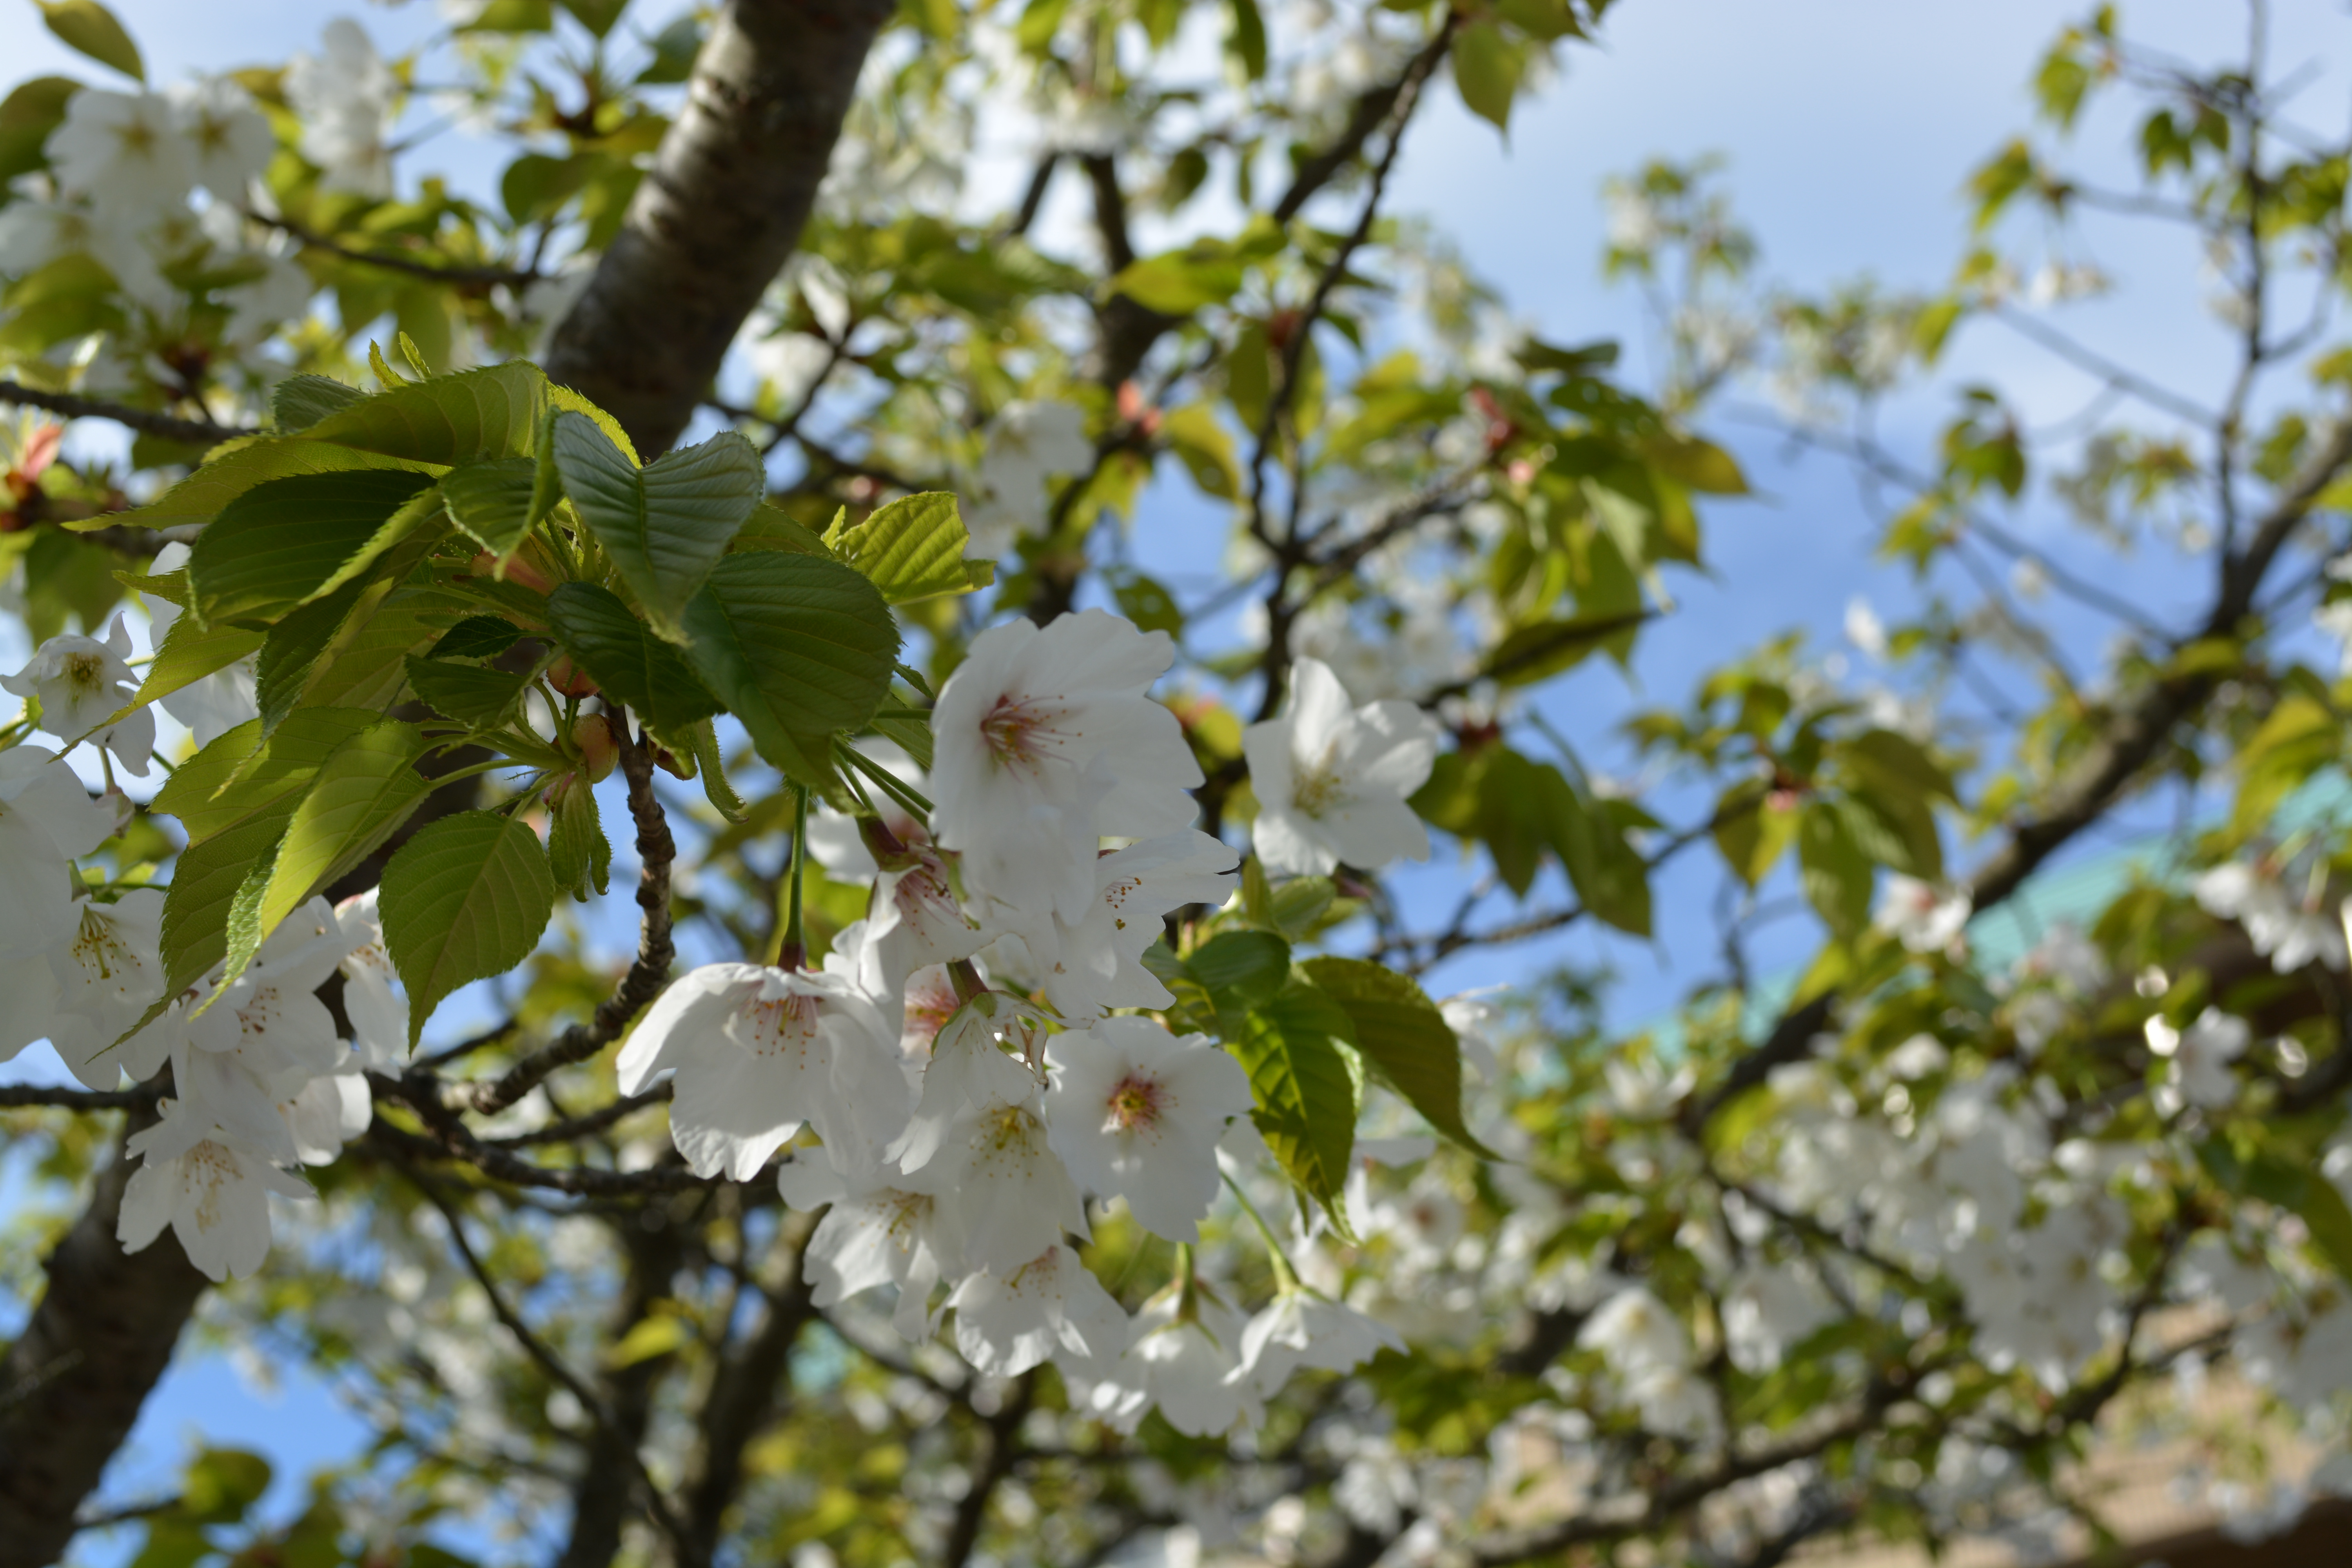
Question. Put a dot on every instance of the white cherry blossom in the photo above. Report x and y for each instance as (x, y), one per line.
(1331, 778)
(1919, 915)
(1300, 1328)
(379, 1015)
(46, 821)
(883, 1229)
(122, 150)
(105, 977)
(82, 683)
(2290, 930)
(1045, 740)
(241, 1052)
(343, 96)
(1184, 1358)
(1097, 962)
(228, 139)
(1028, 443)
(758, 1051)
(1011, 1321)
(1137, 1112)
(2198, 1059)
(213, 1194)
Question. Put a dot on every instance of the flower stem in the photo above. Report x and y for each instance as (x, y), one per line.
(1286, 1278)
(792, 952)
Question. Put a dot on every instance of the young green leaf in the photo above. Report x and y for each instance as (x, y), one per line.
(911, 549)
(90, 28)
(1403, 1039)
(1291, 1046)
(302, 401)
(476, 637)
(577, 850)
(664, 525)
(279, 544)
(797, 648)
(494, 501)
(448, 420)
(649, 676)
(190, 653)
(464, 899)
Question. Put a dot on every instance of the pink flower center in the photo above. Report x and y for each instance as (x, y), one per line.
(1138, 1103)
(1016, 729)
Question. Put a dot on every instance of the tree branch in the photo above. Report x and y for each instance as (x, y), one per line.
(645, 975)
(170, 427)
(730, 188)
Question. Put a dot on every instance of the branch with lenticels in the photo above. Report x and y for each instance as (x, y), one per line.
(657, 848)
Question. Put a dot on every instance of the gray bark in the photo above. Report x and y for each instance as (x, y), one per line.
(718, 212)
(72, 1383)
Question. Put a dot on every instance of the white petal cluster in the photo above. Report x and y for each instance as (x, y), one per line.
(1029, 445)
(1921, 916)
(344, 97)
(2290, 929)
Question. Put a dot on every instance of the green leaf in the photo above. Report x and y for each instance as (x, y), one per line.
(911, 549)
(232, 470)
(190, 653)
(276, 545)
(797, 648)
(1291, 1047)
(292, 648)
(1403, 1039)
(362, 792)
(1898, 760)
(663, 525)
(1239, 970)
(771, 527)
(465, 899)
(468, 693)
(577, 850)
(222, 1483)
(235, 798)
(362, 795)
(30, 114)
(1545, 648)
(647, 675)
(1245, 41)
(90, 28)
(1486, 67)
(302, 401)
(448, 420)
(1836, 872)
(1588, 837)
(495, 502)
(476, 637)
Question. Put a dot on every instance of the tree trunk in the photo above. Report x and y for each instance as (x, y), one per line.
(72, 1384)
(718, 213)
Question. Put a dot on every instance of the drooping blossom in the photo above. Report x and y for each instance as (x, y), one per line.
(758, 1051)
(1137, 1112)
(1011, 1319)
(214, 1194)
(1300, 1328)
(1096, 962)
(882, 1229)
(82, 683)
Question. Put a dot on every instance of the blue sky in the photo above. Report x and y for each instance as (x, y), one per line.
(1849, 126)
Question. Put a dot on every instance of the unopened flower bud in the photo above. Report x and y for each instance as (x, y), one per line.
(592, 737)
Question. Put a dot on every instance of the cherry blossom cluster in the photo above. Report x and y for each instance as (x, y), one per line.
(957, 1055)
(967, 1069)
(262, 1080)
